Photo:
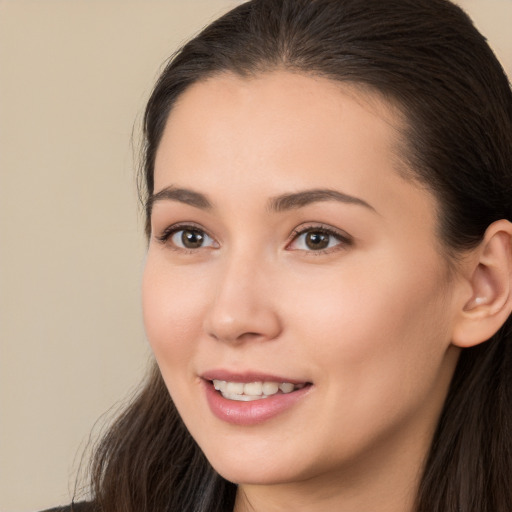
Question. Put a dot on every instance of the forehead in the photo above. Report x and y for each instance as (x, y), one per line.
(290, 129)
(259, 117)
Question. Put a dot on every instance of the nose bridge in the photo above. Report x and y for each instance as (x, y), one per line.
(242, 306)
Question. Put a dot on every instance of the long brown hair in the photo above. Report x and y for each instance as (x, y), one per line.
(426, 57)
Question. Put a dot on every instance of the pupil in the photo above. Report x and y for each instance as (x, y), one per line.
(317, 240)
(192, 239)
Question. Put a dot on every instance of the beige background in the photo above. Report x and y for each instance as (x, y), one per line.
(74, 76)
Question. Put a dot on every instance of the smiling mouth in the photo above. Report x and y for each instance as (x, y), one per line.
(249, 391)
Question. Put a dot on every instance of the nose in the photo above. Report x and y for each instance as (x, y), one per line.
(243, 308)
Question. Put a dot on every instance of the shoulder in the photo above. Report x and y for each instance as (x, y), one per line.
(84, 506)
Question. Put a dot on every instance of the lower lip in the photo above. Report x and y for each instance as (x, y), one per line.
(254, 412)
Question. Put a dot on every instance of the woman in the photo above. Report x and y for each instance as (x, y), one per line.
(327, 289)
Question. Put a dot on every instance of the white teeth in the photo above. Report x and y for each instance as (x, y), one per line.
(253, 390)
(219, 385)
(270, 388)
(242, 398)
(286, 387)
(234, 388)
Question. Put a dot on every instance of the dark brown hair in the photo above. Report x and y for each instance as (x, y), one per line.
(426, 57)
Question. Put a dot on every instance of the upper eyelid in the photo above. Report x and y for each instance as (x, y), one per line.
(344, 239)
(299, 230)
(179, 226)
(342, 235)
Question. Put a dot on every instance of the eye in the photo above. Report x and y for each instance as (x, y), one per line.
(191, 239)
(318, 239)
(187, 237)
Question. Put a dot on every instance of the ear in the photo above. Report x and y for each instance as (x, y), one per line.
(487, 303)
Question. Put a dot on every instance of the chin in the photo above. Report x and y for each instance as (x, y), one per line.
(257, 467)
(263, 475)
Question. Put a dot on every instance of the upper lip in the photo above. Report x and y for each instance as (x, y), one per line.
(247, 376)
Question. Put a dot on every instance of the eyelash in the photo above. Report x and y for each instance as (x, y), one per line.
(343, 238)
(170, 231)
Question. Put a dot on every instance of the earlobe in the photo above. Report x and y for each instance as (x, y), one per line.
(490, 279)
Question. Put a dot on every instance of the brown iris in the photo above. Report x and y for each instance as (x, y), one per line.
(192, 238)
(316, 240)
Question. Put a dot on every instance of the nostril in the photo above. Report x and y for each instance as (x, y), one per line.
(241, 313)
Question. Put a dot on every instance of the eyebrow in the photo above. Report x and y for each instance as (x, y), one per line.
(299, 199)
(284, 202)
(181, 195)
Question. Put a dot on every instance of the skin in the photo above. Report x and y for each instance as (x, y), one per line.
(368, 321)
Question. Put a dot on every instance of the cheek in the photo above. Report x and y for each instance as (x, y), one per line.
(172, 314)
(373, 331)
(379, 359)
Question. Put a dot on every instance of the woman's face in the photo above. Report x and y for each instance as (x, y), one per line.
(287, 250)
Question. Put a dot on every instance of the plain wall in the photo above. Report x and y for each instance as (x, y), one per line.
(74, 77)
